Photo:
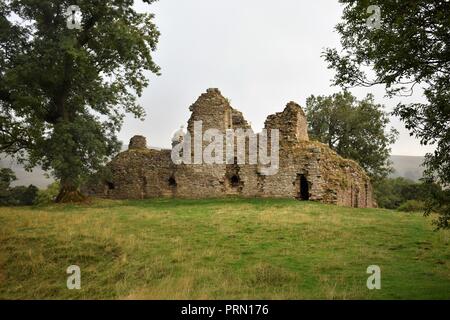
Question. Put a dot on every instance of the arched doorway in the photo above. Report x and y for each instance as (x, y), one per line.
(235, 181)
(172, 182)
(302, 185)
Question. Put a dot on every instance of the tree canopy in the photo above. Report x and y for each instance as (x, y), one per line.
(354, 129)
(64, 91)
(409, 48)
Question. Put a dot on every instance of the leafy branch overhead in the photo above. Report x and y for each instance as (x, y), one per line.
(410, 49)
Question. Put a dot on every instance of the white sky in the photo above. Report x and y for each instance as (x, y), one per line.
(261, 54)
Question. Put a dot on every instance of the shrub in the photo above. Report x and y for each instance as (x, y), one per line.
(48, 195)
(412, 206)
(393, 193)
(23, 196)
(20, 196)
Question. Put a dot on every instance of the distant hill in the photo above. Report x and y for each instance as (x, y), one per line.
(36, 177)
(405, 166)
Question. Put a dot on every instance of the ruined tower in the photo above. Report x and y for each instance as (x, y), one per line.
(308, 170)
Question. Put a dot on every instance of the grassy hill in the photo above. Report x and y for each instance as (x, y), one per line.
(220, 249)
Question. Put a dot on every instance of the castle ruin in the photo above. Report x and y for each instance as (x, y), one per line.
(307, 170)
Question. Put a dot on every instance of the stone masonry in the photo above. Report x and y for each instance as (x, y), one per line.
(308, 170)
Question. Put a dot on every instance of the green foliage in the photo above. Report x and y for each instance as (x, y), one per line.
(22, 196)
(439, 202)
(394, 193)
(410, 49)
(15, 196)
(354, 129)
(64, 93)
(412, 206)
(6, 177)
(389, 193)
(48, 195)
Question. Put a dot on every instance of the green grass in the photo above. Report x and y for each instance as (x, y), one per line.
(220, 249)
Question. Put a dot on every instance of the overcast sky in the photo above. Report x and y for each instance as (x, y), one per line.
(261, 54)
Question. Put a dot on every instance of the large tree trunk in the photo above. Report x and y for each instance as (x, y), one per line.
(70, 193)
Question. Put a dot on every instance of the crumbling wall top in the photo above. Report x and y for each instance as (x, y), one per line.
(138, 142)
(291, 123)
(213, 110)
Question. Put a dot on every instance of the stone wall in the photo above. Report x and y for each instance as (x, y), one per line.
(308, 170)
(138, 142)
(291, 123)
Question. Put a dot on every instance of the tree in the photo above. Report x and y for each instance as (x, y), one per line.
(393, 193)
(439, 202)
(23, 196)
(6, 177)
(409, 47)
(354, 129)
(64, 91)
(18, 195)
